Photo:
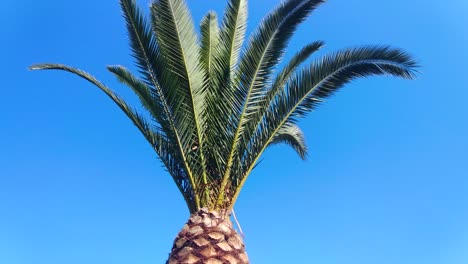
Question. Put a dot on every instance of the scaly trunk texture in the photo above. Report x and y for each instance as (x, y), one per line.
(208, 238)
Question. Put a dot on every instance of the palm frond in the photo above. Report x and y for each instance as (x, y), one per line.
(265, 50)
(209, 30)
(220, 96)
(152, 63)
(299, 58)
(157, 140)
(216, 106)
(210, 41)
(167, 153)
(176, 35)
(145, 49)
(232, 34)
(293, 136)
(263, 53)
(142, 90)
(306, 89)
(115, 98)
(278, 84)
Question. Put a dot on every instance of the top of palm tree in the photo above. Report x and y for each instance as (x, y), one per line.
(216, 103)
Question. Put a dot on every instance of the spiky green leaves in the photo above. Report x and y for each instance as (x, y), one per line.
(209, 44)
(232, 35)
(174, 29)
(221, 99)
(144, 92)
(292, 135)
(263, 53)
(157, 66)
(215, 107)
(306, 89)
(164, 147)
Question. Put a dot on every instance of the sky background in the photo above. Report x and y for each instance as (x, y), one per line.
(386, 180)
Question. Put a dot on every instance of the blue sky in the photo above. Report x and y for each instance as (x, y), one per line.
(386, 181)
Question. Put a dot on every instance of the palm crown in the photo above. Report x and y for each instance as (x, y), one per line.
(216, 104)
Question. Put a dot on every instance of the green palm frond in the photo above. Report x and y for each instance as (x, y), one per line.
(115, 98)
(306, 89)
(266, 48)
(293, 136)
(220, 96)
(299, 58)
(281, 79)
(209, 50)
(152, 63)
(167, 153)
(176, 35)
(163, 147)
(144, 92)
(216, 104)
(263, 53)
(232, 35)
(209, 30)
(144, 47)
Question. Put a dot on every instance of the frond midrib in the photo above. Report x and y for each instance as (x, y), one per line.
(166, 109)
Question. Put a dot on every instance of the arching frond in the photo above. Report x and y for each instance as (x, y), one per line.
(263, 53)
(306, 89)
(166, 151)
(281, 79)
(293, 136)
(142, 90)
(216, 105)
(149, 60)
(266, 48)
(176, 35)
(152, 63)
(143, 127)
(145, 50)
(299, 58)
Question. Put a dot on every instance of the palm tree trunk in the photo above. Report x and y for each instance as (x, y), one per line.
(208, 238)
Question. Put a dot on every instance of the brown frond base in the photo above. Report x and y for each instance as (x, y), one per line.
(208, 238)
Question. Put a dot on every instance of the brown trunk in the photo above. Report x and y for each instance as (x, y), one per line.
(208, 238)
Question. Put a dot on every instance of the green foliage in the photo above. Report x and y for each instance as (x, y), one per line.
(217, 105)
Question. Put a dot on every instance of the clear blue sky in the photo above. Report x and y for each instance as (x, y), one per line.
(386, 181)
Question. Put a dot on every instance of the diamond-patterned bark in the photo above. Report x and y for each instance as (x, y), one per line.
(208, 238)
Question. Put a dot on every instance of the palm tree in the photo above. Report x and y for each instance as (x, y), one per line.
(215, 105)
